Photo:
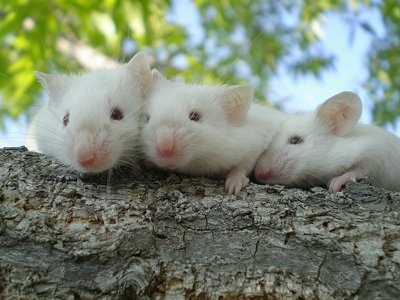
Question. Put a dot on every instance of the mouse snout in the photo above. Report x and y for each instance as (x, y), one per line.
(92, 160)
(265, 173)
(166, 147)
(86, 158)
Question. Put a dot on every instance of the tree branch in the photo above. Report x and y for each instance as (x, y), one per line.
(157, 235)
(88, 57)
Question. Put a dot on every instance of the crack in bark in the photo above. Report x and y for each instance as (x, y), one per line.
(320, 266)
(256, 249)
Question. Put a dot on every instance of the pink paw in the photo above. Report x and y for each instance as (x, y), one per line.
(338, 183)
(236, 181)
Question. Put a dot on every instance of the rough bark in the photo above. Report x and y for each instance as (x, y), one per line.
(166, 236)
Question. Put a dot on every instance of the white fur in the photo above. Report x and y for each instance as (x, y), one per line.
(89, 99)
(334, 150)
(227, 140)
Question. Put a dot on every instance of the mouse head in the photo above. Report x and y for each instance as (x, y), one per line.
(97, 114)
(301, 153)
(185, 120)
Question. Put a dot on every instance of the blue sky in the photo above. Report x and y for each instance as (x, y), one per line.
(302, 94)
(306, 92)
(349, 72)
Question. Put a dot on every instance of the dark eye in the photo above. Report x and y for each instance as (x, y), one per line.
(194, 116)
(147, 118)
(66, 119)
(116, 114)
(294, 140)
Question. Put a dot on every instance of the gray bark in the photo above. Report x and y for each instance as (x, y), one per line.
(164, 236)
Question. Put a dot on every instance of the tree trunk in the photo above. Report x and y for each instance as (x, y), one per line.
(166, 236)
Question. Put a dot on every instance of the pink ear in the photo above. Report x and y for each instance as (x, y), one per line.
(56, 85)
(340, 113)
(140, 69)
(236, 101)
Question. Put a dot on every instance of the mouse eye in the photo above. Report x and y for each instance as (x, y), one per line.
(294, 140)
(194, 116)
(66, 119)
(116, 114)
(147, 118)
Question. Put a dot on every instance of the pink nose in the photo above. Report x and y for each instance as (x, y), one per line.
(264, 175)
(166, 148)
(86, 158)
(165, 152)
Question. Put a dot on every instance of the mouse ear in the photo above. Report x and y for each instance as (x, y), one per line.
(140, 69)
(56, 85)
(236, 101)
(340, 113)
(157, 75)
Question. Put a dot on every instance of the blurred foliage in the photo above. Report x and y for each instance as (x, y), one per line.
(238, 41)
(383, 84)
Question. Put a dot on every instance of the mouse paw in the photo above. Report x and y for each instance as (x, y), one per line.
(236, 181)
(338, 183)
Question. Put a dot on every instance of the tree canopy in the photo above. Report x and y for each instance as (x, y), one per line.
(237, 41)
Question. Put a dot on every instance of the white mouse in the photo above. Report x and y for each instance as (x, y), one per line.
(206, 130)
(91, 122)
(328, 147)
